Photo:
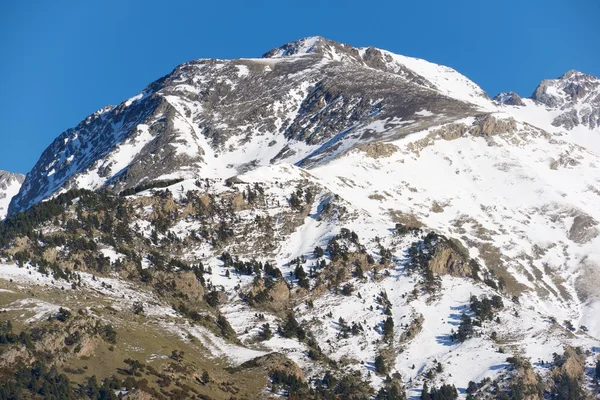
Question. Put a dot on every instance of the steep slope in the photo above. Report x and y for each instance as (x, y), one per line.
(220, 117)
(9, 186)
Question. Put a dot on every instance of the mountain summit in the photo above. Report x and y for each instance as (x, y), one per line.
(219, 118)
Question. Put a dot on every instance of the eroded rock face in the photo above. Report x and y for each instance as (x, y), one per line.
(378, 149)
(448, 260)
(452, 131)
(583, 229)
(187, 284)
(488, 125)
(564, 161)
(278, 295)
(571, 364)
(413, 329)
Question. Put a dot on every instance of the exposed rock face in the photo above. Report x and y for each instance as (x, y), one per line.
(8, 178)
(488, 125)
(378, 149)
(451, 131)
(188, 284)
(564, 161)
(448, 260)
(577, 94)
(413, 329)
(509, 98)
(530, 382)
(278, 295)
(583, 229)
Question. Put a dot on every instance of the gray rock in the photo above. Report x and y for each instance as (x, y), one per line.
(565, 93)
(509, 98)
(583, 229)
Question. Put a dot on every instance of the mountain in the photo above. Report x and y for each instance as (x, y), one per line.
(9, 186)
(576, 94)
(322, 222)
(217, 118)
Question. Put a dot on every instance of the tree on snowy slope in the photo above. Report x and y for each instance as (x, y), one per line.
(388, 328)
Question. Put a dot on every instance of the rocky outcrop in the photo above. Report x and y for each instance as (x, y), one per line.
(583, 229)
(377, 149)
(274, 362)
(187, 283)
(412, 330)
(564, 161)
(275, 298)
(509, 98)
(451, 131)
(565, 93)
(525, 379)
(489, 125)
(448, 259)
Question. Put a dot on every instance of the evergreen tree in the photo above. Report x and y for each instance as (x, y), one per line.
(388, 328)
(380, 365)
(266, 333)
(425, 392)
(301, 277)
(465, 329)
(318, 253)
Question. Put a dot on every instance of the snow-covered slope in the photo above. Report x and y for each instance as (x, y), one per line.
(9, 186)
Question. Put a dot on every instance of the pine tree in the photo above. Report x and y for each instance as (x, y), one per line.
(266, 333)
(380, 365)
(302, 277)
(205, 377)
(388, 327)
(318, 253)
(425, 392)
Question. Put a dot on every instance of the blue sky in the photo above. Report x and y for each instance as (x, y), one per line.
(62, 60)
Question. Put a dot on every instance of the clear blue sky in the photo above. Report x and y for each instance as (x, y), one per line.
(62, 60)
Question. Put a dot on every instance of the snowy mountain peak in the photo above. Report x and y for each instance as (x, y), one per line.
(572, 87)
(10, 183)
(308, 45)
(576, 94)
(286, 107)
